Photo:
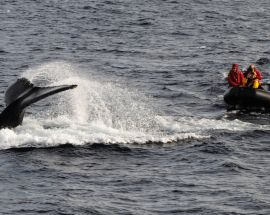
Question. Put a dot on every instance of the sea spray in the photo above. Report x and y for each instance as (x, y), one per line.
(100, 111)
(94, 100)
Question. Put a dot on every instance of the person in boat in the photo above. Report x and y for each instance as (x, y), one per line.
(236, 77)
(253, 77)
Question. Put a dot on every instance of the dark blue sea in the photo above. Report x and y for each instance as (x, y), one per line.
(146, 131)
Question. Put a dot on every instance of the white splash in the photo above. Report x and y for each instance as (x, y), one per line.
(100, 112)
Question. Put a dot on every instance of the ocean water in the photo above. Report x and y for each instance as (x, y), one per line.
(146, 131)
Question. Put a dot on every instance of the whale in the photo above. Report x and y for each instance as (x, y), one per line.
(20, 95)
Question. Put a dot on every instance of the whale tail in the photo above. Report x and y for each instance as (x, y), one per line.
(20, 95)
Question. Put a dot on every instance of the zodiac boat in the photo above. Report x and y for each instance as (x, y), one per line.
(243, 98)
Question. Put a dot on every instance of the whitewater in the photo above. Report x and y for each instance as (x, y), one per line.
(101, 112)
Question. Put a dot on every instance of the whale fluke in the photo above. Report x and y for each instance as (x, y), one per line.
(20, 95)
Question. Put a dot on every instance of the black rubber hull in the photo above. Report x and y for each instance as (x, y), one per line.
(247, 98)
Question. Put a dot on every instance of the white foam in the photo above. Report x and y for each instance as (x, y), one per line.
(36, 133)
(101, 112)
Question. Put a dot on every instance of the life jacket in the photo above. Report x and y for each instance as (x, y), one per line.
(252, 83)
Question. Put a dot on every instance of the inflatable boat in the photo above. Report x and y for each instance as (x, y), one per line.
(243, 98)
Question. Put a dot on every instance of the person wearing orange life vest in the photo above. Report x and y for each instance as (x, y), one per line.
(252, 77)
(236, 77)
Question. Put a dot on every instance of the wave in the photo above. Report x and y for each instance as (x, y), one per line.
(98, 111)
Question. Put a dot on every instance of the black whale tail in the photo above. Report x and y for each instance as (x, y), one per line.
(38, 93)
(20, 95)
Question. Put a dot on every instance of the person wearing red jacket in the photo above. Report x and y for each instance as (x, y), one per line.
(253, 77)
(236, 77)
